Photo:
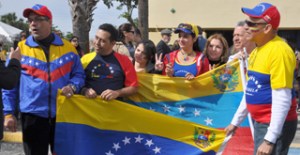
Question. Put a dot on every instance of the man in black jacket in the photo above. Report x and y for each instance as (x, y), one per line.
(162, 46)
(9, 77)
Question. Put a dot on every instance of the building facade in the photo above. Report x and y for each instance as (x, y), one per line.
(218, 16)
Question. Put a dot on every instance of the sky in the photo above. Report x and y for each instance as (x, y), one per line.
(62, 15)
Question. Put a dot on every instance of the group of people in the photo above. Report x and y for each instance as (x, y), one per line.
(50, 63)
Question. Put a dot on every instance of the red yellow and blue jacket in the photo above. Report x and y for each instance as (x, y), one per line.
(42, 77)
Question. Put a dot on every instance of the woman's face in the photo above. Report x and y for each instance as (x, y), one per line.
(74, 42)
(215, 50)
(185, 40)
(139, 54)
(129, 35)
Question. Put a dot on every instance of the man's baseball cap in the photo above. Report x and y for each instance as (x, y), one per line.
(38, 9)
(166, 32)
(265, 11)
(187, 28)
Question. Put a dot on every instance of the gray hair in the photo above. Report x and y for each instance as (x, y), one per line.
(241, 23)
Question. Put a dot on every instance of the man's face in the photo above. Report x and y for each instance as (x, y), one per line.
(239, 37)
(40, 26)
(166, 38)
(256, 28)
(102, 42)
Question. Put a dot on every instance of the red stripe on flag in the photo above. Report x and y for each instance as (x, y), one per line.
(241, 143)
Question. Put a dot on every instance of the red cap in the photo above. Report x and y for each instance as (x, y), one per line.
(265, 11)
(38, 9)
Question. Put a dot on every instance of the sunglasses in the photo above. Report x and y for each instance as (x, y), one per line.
(252, 24)
(131, 32)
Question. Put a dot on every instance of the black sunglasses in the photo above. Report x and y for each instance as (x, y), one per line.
(252, 24)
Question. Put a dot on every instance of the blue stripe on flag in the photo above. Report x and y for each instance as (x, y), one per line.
(104, 142)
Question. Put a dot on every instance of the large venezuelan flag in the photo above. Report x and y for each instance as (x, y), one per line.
(96, 127)
(211, 100)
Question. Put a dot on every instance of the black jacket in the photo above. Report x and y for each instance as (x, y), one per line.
(9, 78)
(163, 48)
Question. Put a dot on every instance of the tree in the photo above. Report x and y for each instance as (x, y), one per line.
(12, 19)
(82, 18)
(142, 22)
(143, 13)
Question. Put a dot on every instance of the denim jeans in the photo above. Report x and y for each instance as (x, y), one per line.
(284, 140)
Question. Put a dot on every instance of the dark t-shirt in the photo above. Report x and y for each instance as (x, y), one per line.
(104, 72)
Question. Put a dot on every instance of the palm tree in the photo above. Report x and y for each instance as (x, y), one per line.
(82, 18)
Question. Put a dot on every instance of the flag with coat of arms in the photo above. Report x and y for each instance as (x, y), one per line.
(168, 116)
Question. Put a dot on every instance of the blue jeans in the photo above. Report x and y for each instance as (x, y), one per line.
(284, 140)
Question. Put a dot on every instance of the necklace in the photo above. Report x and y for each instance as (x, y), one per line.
(186, 56)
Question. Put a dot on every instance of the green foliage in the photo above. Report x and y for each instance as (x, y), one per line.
(130, 6)
(12, 19)
(69, 35)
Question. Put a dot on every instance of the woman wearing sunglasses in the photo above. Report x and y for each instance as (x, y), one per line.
(186, 62)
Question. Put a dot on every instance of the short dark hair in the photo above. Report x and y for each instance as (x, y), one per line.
(110, 29)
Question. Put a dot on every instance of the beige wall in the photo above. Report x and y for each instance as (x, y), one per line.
(213, 14)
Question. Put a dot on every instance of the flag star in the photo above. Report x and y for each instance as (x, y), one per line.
(149, 143)
(116, 146)
(156, 150)
(60, 61)
(23, 59)
(126, 140)
(150, 108)
(166, 108)
(138, 139)
(67, 58)
(109, 153)
(72, 56)
(30, 61)
(181, 109)
(196, 112)
(36, 63)
(208, 121)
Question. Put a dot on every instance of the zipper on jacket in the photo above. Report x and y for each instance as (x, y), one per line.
(49, 88)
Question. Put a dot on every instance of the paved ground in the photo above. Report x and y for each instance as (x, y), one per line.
(16, 148)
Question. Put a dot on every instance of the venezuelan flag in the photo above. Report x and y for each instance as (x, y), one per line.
(210, 99)
(96, 127)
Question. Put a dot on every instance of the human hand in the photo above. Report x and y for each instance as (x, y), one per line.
(158, 62)
(264, 148)
(67, 91)
(169, 69)
(230, 129)
(189, 76)
(10, 123)
(90, 93)
(109, 94)
(16, 54)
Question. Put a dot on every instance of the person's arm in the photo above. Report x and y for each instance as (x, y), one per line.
(113, 94)
(281, 104)
(238, 117)
(9, 76)
(77, 76)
